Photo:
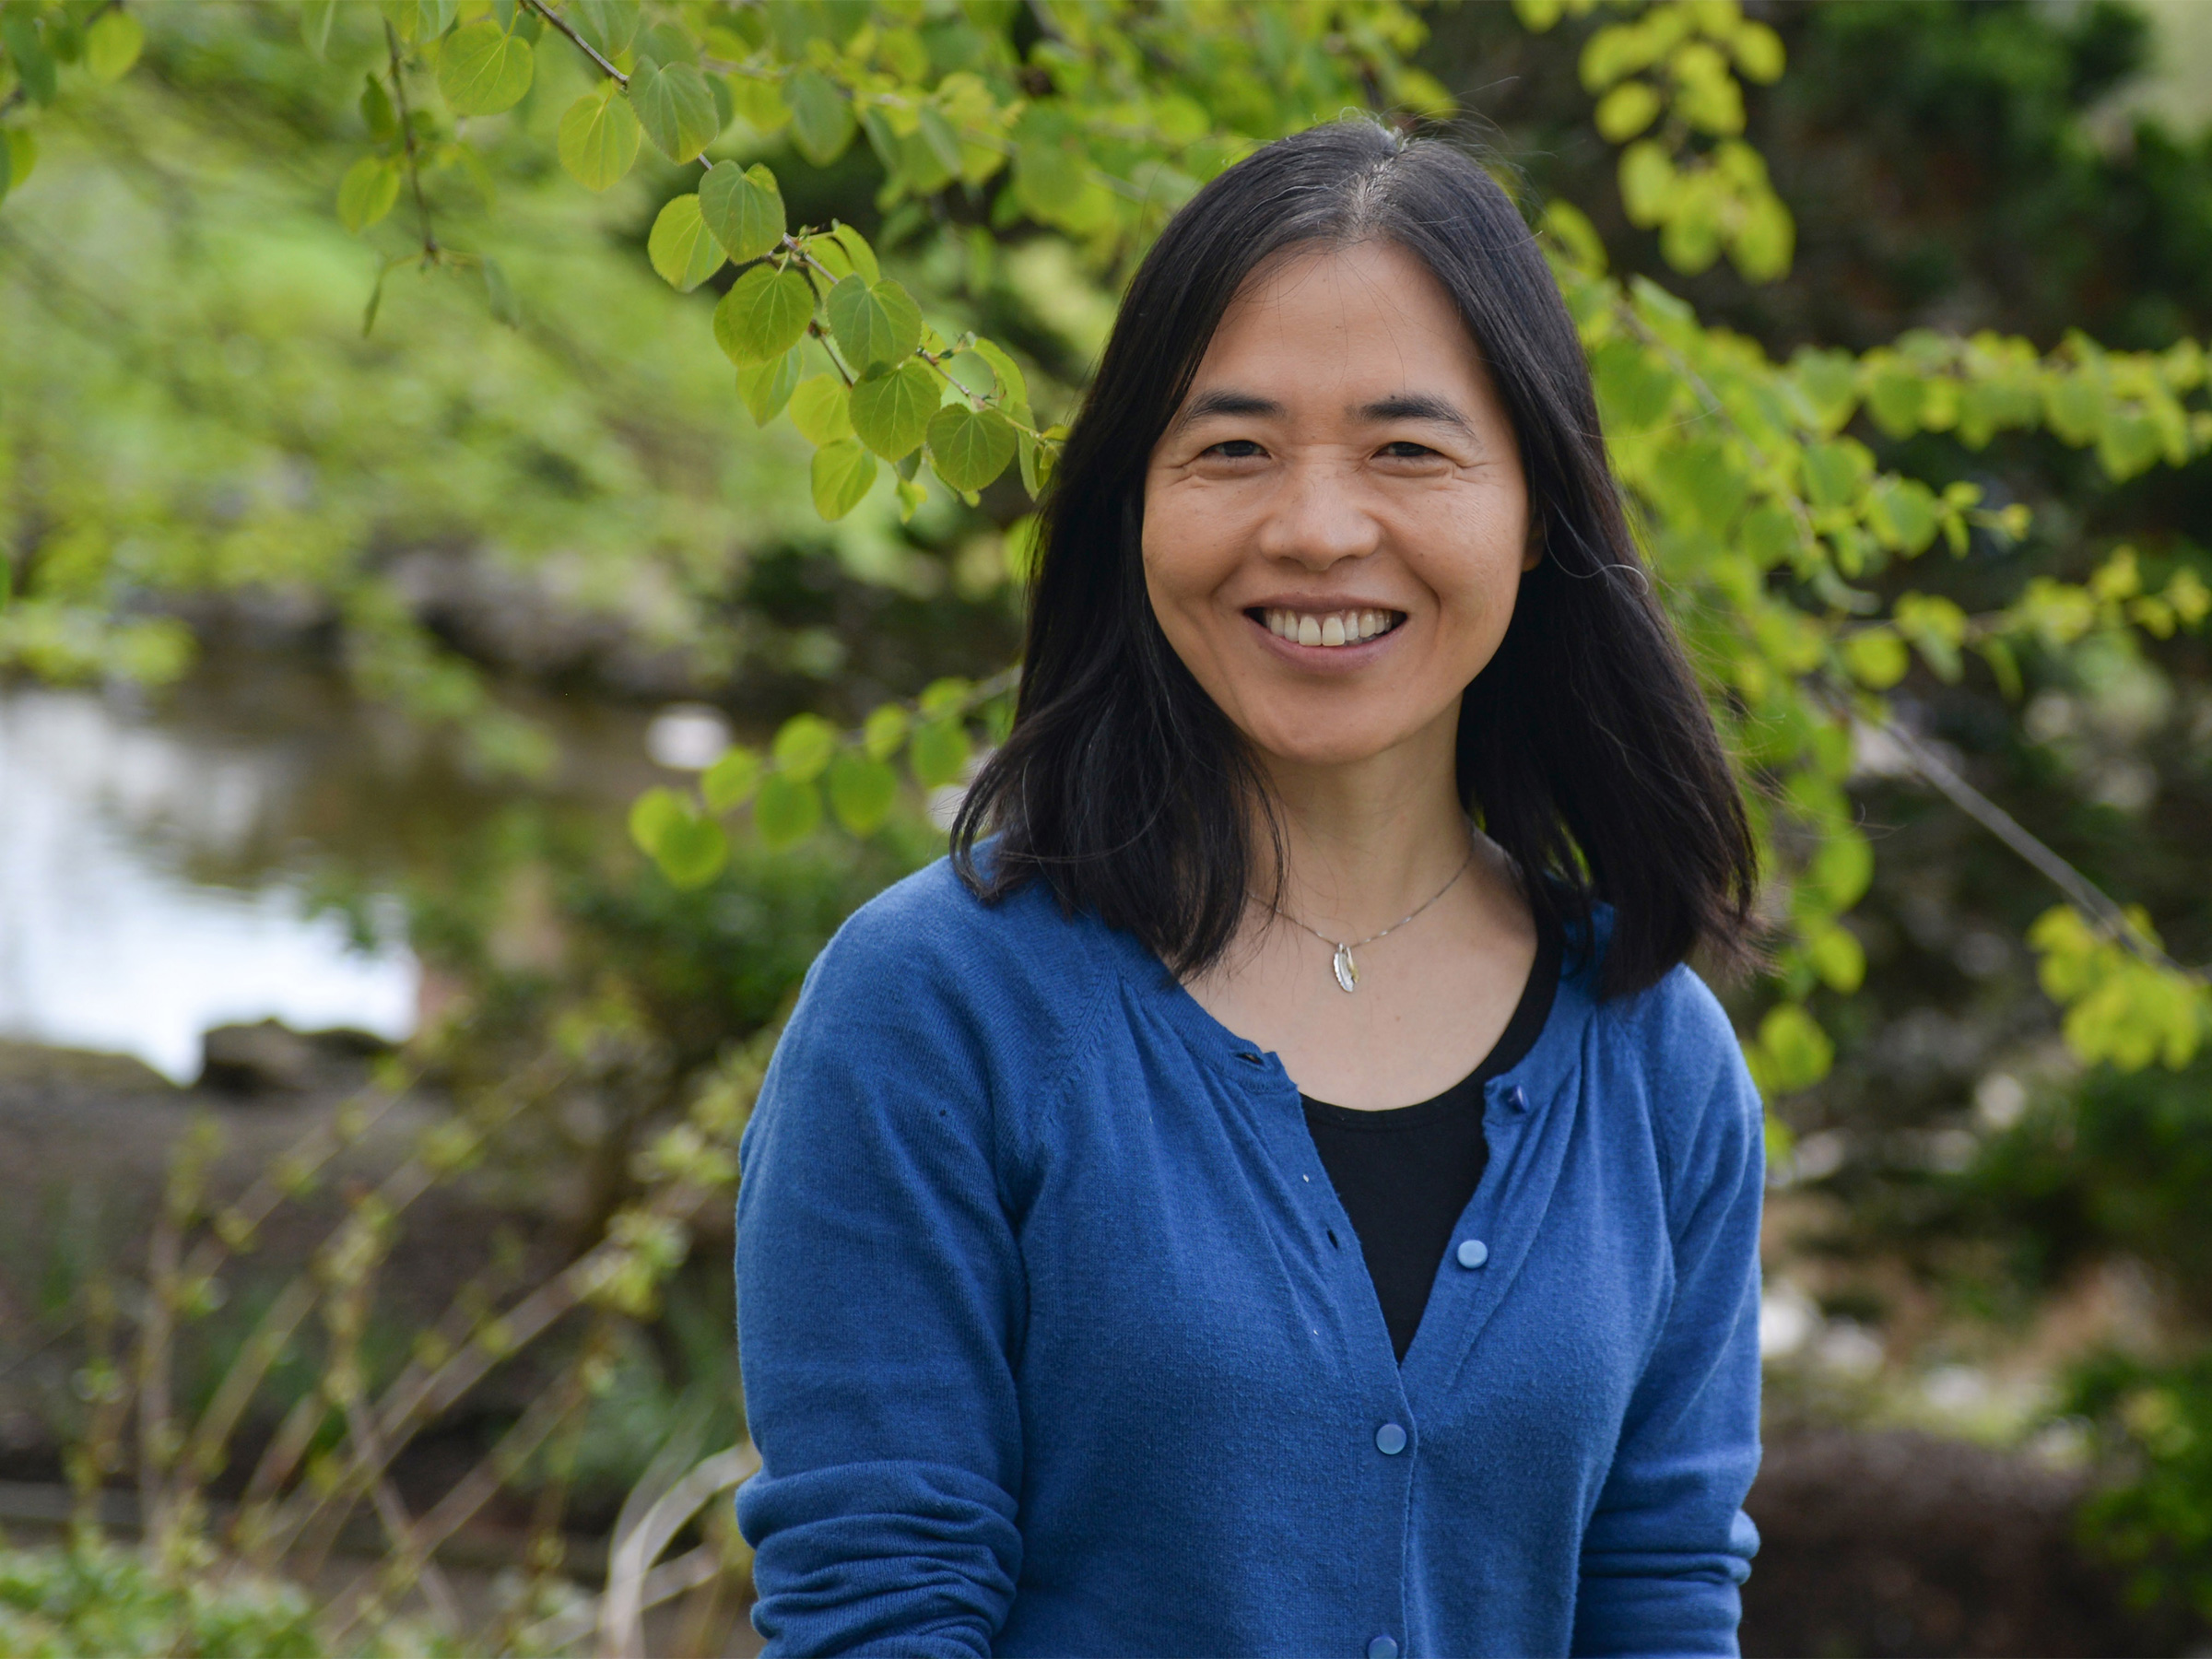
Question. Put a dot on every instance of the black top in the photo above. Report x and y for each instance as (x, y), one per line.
(1405, 1173)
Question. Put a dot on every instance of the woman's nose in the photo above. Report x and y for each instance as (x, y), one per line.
(1316, 518)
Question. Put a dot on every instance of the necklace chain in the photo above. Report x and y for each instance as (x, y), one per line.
(1341, 964)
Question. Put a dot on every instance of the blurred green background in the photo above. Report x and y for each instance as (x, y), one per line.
(339, 722)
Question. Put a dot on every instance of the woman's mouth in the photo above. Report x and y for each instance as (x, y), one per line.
(1327, 629)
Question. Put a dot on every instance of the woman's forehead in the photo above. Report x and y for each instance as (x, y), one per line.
(1336, 325)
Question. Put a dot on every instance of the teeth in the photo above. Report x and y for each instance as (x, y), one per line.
(1338, 627)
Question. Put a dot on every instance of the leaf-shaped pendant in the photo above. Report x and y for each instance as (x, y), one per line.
(1348, 971)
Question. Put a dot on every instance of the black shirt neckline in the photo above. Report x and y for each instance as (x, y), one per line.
(1522, 1029)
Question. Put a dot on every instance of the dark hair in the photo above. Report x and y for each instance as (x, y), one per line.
(1584, 745)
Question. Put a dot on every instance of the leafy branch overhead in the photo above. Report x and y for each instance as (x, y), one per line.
(1778, 536)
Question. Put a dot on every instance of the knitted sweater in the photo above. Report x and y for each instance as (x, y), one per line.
(1055, 1339)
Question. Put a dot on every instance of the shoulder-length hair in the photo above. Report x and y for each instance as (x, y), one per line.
(1584, 746)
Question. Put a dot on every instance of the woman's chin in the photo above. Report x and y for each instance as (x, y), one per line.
(1312, 748)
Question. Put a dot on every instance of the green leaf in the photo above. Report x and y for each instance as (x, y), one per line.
(315, 18)
(861, 792)
(598, 140)
(876, 323)
(760, 101)
(884, 730)
(1625, 110)
(676, 109)
(377, 114)
(1634, 390)
(804, 746)
(21, 154)
(649, 814)
(764, 314)
(609, 25)
(742, 207)
(692, 851)
(841, 476)
(1835, 472)
(1877, 658)
(822, 409)
(822, 121)
(501, 295)
(680, 249)
(787, 812)
(947, 696)
(113, 44)
(1792, 1053)
(767, 387)
(483, 70)
(34, 65)
(857, 251)
(943, 141)
(1838, 957)
(367, 192)
(730, 782)
(969, 447)
(891, 408)
(939, 752)
(418, 22)
(1012, 385)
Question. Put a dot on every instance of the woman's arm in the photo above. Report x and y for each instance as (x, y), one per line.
(1669, 1542)
(879, 1295)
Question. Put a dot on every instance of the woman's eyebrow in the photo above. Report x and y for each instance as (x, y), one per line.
(1227, 402)
(1415, 405)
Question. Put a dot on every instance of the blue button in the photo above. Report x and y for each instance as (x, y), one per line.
(1472, 1252)
(1390, 1439)
(1382, 1647)
(1517, 1098)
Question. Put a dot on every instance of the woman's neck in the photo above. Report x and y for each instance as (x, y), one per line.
(1367, 841)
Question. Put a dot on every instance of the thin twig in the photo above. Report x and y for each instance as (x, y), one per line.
(583, 45)
(407, 133)
(2085, 894)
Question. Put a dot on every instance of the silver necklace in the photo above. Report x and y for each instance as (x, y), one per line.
(1346, 970)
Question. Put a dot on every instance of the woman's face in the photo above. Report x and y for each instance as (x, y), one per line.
(1335, 521)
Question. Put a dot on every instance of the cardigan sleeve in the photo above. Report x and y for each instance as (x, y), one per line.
(1669, 1543)
(879, 1296)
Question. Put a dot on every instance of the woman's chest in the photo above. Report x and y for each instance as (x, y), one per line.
(1193, 1279)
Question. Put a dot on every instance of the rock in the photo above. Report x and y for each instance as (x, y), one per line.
(36, 1066)
(272, 1058)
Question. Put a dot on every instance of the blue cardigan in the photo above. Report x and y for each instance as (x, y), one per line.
(1055, 1339)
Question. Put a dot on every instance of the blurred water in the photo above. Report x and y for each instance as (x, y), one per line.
(111, 936)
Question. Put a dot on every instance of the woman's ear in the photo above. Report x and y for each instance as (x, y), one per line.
(1532, 555)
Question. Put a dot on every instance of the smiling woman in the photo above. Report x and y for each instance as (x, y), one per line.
(1276, 1187)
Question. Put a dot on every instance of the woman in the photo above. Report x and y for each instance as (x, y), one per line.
(1237, 1207)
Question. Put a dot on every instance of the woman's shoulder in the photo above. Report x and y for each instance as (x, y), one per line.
(1675, 1046)
(928, 951)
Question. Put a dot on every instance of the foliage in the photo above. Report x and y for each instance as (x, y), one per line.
(2156, 1421)
(1763, 509)
(94, 1598)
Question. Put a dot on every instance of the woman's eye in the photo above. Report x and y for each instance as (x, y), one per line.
(1405, 449)
(1235, 449)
